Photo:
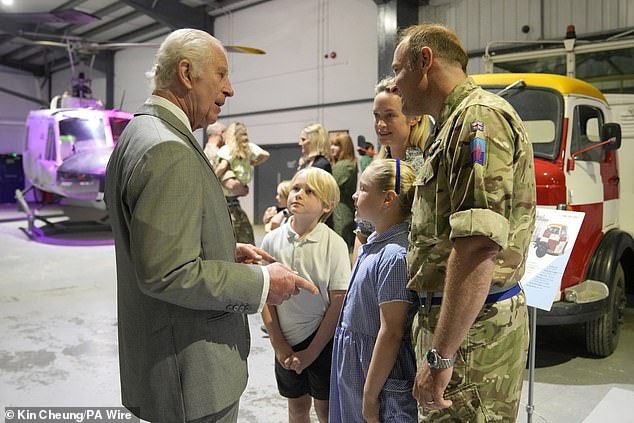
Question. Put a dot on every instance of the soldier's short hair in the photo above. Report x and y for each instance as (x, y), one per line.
(381, 173)
(323, 185)
(443, 42)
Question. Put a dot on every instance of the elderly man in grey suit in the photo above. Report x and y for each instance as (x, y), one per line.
(184, 285)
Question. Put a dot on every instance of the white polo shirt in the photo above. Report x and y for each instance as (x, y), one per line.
(322, 258)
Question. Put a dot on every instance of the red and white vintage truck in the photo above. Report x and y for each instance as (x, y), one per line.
(576, 140)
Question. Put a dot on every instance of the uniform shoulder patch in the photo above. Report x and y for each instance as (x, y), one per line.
(476, 126)
(478, 150)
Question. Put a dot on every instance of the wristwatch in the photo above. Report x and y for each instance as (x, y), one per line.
(435, 361)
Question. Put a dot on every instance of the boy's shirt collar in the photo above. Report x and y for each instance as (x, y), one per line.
(311, 236)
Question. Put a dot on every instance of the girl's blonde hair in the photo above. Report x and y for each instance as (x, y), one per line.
(418, 133)
(318, 138)
(237, 140)
(323, 185)
(381, 173)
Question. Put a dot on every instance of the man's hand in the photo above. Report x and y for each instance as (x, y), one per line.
(249, 254)
(284, 283)
(429, 387)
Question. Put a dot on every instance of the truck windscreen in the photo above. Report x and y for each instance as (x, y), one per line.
(542, 112)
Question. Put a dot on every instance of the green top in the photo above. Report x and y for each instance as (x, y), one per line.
(345, 173)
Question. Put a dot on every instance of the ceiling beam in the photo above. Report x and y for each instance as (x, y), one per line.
(174, 14)
(111, 8)
(112, 24)
(141, 32)
(23, 66)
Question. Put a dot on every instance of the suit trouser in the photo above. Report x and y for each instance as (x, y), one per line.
(486, 384)
(228, 415)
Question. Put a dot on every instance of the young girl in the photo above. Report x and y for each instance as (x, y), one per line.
(373, 365)
(301, 329)
(276, 215)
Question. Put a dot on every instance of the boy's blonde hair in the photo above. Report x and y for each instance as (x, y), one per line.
(381, 173)
(283, 188)
(323, 185)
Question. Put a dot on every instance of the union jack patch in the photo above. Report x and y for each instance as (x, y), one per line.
(478, 150)
(477, 125)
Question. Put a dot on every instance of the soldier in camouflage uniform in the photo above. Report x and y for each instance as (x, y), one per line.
(473, 215)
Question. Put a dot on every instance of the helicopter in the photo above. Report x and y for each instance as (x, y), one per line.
(68, 145)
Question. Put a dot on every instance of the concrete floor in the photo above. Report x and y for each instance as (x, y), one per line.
(59, 344)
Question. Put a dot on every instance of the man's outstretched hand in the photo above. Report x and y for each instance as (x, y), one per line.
(285, 283)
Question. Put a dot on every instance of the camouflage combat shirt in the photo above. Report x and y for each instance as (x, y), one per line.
(477, 178)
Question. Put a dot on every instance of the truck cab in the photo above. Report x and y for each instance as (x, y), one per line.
(576, 168)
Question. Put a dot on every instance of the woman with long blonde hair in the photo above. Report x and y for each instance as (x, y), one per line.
(315, 148)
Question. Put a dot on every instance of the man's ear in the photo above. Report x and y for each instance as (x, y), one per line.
(185, 73)
(426, 58)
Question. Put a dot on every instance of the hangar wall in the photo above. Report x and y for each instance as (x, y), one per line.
(478, 22)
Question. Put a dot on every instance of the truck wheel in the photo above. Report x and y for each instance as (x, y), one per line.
(541, 250)
(602, 334)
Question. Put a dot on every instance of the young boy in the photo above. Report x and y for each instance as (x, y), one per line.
(301, 329)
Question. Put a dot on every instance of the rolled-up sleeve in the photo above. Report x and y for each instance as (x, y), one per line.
(480, 170)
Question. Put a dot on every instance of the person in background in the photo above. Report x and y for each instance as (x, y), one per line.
(315, 148)
(374, 365)
(301, 330)
(215, 140)
(277, 215)
(472, 219)
(345, 172)
(184, 287)
(239, 156)
(366, 154)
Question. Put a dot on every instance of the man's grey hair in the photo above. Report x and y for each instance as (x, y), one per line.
(215, 128)
(186, 43)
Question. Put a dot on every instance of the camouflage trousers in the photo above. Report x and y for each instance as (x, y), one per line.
(241, 226)
(486, 383)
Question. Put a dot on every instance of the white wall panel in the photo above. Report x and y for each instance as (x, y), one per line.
(296, 35)
(13, 110)
(588, 16)
(477, 22)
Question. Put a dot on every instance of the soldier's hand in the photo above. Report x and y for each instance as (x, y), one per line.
(429, 387)
(285, 283)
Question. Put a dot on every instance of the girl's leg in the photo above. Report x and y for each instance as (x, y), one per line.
(299, 409)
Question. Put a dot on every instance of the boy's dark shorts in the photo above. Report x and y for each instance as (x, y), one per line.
(314, 380)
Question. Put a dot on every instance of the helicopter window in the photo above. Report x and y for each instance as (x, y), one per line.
(51, 151)
(80, 133)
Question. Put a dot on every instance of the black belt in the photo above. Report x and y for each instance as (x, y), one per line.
(490, 299)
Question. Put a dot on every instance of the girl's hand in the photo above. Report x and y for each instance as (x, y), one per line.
(371, 408)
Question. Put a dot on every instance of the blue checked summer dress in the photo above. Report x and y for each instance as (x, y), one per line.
(380, 275)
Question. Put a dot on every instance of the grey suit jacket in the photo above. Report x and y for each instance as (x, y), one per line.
(182, 299)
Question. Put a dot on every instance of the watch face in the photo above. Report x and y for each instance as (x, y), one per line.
(431, 358)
